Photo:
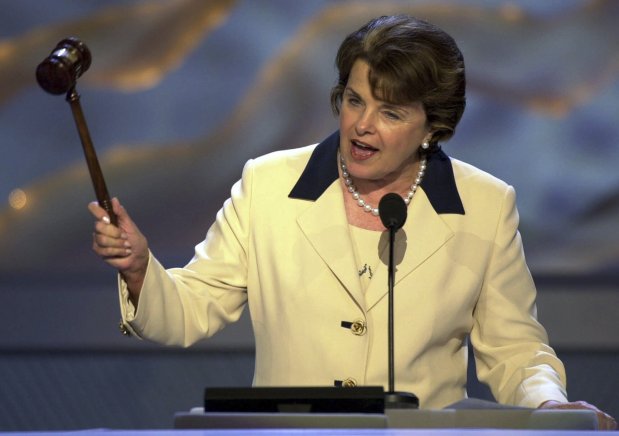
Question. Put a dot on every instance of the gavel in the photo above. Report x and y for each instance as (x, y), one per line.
(58, 74)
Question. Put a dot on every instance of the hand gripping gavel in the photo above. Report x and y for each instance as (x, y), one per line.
(58, 74)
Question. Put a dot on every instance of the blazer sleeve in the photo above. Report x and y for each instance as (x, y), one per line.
(181, 306)
(511, 347)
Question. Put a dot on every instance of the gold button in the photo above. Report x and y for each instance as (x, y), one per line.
(349, 383)
(123, 329)
(358, 327)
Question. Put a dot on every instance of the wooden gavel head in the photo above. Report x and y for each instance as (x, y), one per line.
(58, 73)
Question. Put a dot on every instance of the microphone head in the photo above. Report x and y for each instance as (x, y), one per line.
(59, 72)
(392, 211)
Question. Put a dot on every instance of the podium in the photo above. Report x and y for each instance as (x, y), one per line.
(467, 414)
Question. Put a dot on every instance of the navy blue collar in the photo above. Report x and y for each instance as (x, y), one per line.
(438, 183)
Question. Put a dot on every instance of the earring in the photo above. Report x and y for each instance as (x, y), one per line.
(425, 145)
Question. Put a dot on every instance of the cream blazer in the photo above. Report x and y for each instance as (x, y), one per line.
(281, 246)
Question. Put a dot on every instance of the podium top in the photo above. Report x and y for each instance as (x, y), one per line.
(529, 419)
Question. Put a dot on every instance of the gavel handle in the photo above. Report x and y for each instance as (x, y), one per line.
(103, 197)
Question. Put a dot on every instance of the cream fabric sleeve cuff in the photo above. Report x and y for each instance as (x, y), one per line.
(546, 385)
(128, 311)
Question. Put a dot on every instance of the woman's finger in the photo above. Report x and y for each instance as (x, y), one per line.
(110, 247)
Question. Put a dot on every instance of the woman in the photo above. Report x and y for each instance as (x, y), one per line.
(301, 243)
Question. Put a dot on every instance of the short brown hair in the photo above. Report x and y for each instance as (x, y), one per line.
(410, 60)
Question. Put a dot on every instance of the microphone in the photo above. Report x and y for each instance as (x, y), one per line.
(59, 72)
(392, 211)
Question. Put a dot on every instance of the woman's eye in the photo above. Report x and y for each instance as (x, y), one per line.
(392, 115)
(354, 101)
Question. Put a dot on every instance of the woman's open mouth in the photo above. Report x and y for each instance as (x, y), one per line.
(362, 151)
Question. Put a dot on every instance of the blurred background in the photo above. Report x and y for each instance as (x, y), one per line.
(181, 93)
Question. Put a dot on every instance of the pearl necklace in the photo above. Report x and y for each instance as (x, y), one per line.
(361, 202)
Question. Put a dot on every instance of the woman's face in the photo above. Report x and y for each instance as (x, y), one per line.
(379, 141)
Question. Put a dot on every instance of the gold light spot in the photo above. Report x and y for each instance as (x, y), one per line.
(18, 199)
(511, 12)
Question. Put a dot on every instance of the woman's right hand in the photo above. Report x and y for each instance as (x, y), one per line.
(123, 247)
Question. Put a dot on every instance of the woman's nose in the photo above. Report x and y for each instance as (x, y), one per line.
(366, 123)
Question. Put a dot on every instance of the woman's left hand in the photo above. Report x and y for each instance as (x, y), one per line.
(605, 421)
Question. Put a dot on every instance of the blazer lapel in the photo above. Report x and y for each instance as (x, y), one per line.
(423, 234)
(332, 241)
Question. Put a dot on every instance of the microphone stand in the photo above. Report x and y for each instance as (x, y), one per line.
(393, 216)
(390, 285)
(393, 399)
